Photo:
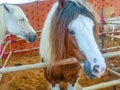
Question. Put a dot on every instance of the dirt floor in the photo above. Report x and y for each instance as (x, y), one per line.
(34, 79)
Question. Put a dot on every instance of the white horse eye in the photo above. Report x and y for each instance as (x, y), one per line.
(21, 19)
(72, 32)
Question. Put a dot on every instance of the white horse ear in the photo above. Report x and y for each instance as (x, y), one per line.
(6, 8)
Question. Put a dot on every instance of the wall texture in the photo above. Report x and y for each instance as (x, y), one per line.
(111, 7)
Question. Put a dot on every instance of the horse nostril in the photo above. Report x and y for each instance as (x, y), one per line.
(95, 68)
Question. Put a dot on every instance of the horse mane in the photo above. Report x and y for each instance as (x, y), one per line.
(59, 34)
(89, 7)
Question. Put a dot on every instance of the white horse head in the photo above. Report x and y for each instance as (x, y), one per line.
(82, 27)
(14, 21)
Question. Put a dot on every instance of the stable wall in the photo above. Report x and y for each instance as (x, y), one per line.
(111, 7)
(37, 11)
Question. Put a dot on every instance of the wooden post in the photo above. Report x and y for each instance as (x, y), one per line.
(103, 85)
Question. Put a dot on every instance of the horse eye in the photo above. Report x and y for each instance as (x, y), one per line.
(72, 32)
(21, 19)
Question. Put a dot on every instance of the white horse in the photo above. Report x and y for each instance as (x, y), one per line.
(68, 39)
(14, 21)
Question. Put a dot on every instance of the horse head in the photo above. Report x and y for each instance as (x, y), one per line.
(80, 22)
(69, 31)
(17, 23)
(83, 28)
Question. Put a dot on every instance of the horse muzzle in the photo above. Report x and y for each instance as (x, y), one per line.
(94, 72)
(31, 37)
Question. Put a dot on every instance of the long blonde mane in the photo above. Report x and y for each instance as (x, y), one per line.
(45, 48)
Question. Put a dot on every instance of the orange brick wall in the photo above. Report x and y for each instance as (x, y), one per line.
(37, 11)
(111, 7)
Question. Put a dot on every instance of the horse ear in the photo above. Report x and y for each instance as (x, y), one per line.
(61, 3)
(6, 8)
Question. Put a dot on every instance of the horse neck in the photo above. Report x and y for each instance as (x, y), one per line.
(72, 49)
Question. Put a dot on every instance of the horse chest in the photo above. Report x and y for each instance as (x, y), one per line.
(67, 70)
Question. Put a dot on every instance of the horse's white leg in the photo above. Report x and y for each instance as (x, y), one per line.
(75, 87)
(70, 87)
(56, 87)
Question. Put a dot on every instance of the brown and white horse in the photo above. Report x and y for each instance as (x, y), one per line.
(67, 40)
